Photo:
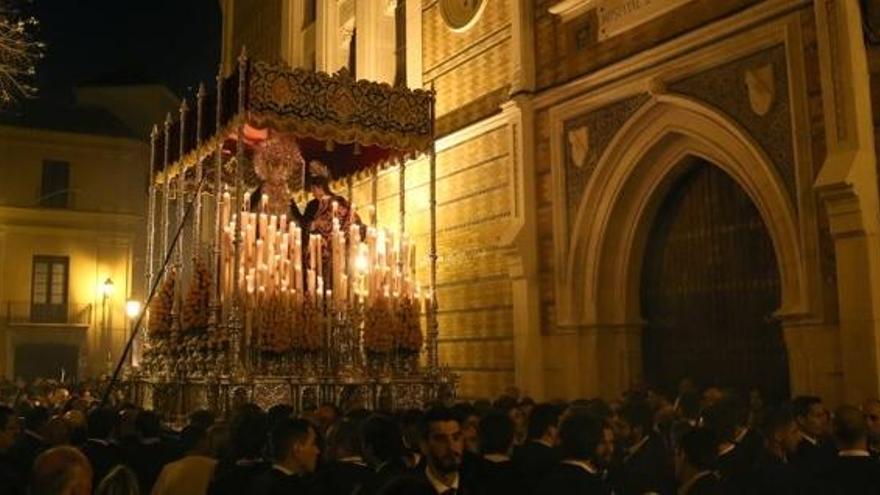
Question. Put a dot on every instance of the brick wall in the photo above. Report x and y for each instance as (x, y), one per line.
(471, 74)
(564, 51)
(468, 66)
(257, 25)
(474, 292)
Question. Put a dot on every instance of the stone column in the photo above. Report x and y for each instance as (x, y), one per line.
(523, 46)
(847, 183)
(521, 238)
(413, 44)
(619, 366)
(814, 365)
(327, 36)
(291, 32)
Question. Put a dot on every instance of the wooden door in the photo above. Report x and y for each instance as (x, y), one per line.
(49, 285)
(710, 285)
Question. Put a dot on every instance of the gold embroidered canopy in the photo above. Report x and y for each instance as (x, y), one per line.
(350, 124)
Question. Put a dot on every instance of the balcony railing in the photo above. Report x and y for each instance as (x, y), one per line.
(24, 312)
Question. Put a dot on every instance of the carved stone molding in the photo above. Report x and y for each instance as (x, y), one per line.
(773, 130)
(598, 283)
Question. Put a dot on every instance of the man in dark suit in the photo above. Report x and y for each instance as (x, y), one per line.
(346, 471)
(816, 450)
(102, 454)
(738, 445)
(853, 471)
(442, 444)
(383, 449)
(646, 465)
(147, 451)
(539, 454)
(294, 457)
(583, 441)
(469, 419)
(235, 475)
(495, 472)
(773, 473)
(31, 442)
(695, 463)
(10, 477)
(871, 410)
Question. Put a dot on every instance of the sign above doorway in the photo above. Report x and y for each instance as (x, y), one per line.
(616, 16)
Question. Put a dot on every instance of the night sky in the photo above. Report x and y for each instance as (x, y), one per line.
(172, 42)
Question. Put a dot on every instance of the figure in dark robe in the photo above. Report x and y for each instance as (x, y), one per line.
(320, 211)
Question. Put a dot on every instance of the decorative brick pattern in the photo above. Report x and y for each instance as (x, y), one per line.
(772, 131)
(472, 78)
(441, 44)
(602, 125)
(257, 25)
(562, 53)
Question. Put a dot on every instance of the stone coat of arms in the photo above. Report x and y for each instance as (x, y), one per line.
(761, 83)
(578, 145)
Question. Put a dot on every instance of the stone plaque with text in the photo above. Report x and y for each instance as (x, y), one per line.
(617, 16)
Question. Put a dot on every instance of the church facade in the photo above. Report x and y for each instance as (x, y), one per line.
(629, 191)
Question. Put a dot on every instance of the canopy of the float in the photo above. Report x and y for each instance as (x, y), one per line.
(350, 125)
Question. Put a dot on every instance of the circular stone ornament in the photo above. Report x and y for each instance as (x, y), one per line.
(461, 15)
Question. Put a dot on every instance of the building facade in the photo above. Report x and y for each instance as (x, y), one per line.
(72, 206)
(629, 191)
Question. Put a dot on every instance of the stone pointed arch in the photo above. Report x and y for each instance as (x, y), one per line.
(601, 277)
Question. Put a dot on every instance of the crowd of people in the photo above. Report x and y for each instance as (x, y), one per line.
(709, 441)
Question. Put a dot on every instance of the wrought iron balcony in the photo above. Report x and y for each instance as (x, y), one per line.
(26, 313)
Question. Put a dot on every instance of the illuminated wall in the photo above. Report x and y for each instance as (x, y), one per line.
(100, 232)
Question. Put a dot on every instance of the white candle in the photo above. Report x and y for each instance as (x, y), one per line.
(264, 225)
(225, 207)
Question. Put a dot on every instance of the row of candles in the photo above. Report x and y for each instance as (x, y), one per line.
(277, 258)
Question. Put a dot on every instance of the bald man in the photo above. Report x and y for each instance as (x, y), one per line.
(61, 471)
(853, 471)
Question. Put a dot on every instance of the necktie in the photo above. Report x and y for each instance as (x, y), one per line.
(451, 491)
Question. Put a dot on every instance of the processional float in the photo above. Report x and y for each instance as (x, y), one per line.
(254, 300)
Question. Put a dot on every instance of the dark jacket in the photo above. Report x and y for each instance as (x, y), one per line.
(383, 474)
(24, 451)
(342, 478)
(492, 478)
(275, 482)
(533, 461)
(237, 477)
(567, 479)
(647, 469)
(851, 476)
(773, 476)
(707, 485)
(10, 478)
(812, 461)
(103, 456)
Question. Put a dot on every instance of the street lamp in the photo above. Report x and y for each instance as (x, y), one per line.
(133, 310)
(106, 292)
(107, 288)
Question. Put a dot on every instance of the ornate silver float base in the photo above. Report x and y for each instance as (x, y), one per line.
(175, 399)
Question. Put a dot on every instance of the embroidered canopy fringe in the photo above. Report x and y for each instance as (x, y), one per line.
(370, 124)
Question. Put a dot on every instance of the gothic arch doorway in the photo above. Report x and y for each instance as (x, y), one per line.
(710, 284)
